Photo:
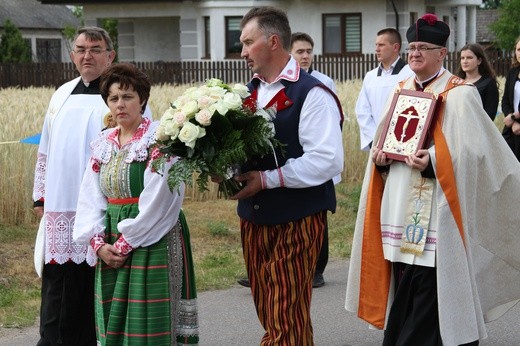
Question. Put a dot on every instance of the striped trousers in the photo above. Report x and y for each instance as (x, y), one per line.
(280, 262)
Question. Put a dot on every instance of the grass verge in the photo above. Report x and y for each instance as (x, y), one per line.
(215, 238)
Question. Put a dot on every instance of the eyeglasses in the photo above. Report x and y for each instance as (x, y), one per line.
(92, 51)
(420, 49)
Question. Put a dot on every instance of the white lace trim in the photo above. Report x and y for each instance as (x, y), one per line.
(59, 246)
(39, 177)
(137, 149)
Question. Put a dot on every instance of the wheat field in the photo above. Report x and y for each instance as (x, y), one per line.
(22, 112)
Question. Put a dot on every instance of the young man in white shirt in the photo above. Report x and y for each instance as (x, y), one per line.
(379, 83)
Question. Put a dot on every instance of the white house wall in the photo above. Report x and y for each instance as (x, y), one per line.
(175, 31)
(34, 34)
(142, 38)
(305, 16)
(372, 19)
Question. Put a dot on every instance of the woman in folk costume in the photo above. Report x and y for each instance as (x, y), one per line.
(438, 289)
(145, 286)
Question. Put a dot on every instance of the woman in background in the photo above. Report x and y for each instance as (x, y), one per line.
(475, 69)
(145, 287)
(510, 103)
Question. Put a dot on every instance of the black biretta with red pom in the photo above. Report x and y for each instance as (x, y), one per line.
(429, 29)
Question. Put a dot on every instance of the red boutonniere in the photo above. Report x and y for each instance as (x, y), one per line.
(280, 101)
(250, 102)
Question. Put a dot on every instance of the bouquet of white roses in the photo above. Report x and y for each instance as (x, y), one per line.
(213, 129)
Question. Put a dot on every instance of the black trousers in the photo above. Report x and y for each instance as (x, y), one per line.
(323, 258)
(414, 315)
(67, 305)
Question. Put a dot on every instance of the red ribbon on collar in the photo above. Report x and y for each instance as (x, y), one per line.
(280, 101)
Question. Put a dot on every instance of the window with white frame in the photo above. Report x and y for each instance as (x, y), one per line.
(341, 33)
(233, 45)
(207, 39)
(48, 50)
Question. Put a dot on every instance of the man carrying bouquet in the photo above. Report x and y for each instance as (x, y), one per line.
(283, 206)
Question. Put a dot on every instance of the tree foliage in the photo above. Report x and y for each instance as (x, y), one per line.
(13, 47)
(507, 27)
(70, 31)
(110, 25)
(491, 4)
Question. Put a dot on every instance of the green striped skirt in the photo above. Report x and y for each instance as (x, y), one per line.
(152, 299)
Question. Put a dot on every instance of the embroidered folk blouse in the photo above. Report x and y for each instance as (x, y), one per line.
(107, 177)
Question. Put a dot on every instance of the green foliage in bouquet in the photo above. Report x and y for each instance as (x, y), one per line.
(212, 132)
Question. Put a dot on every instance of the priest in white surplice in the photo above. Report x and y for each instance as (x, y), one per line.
(74, 118)
(431, 261)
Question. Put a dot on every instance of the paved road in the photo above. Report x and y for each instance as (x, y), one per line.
(227, 317)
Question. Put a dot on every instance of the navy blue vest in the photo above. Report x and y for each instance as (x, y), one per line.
(282, 205)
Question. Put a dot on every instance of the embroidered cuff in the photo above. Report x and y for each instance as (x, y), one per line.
(273, 178)
(262, 179)
(280, 176)
(122, 246)
(97, 242)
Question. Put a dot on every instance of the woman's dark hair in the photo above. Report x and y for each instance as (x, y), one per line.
(514, 59)
(126, 75)
(484, 68)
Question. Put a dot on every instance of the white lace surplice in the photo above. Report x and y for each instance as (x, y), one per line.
(62, 157)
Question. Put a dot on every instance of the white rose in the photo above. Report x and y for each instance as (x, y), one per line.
(181, 101)
(220, 107)
(195, 93)
(203, 91)
(190, 108)
(215, 82)
(205, 101)
(179, 118)
(217, 93)
(204, 117)
(190, 133)
(241, 90)
(168, 115)
(160, 134)
(232, 101)
(171, 130)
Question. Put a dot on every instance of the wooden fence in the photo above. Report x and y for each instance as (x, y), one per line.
(339, 68)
